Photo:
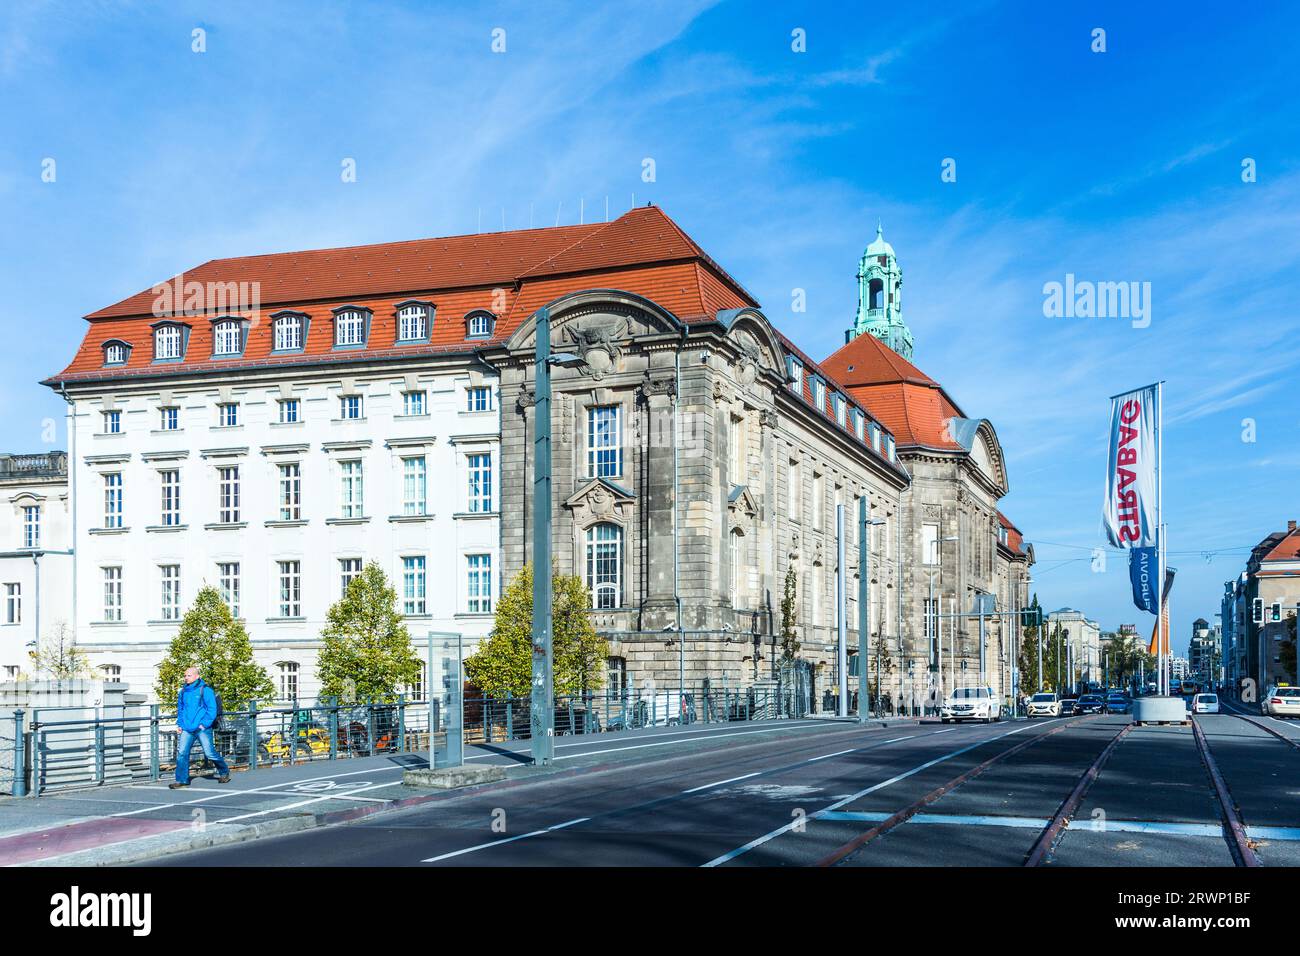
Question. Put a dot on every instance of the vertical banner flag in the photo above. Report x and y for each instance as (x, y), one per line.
(1160, 633)
(1129, 510)
(1143, 568)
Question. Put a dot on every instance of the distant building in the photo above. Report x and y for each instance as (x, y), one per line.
(1205, 651)
(35, 555)
(1256, 607)
(1179, 668)
(1082, 638)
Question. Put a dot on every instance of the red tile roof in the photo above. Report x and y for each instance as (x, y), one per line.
(907, 401)
(1015, 540)
(1288, 549)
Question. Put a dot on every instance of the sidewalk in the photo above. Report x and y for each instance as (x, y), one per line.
(131, 823)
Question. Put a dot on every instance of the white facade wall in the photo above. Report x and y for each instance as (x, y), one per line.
(320, 444)
(27, 482)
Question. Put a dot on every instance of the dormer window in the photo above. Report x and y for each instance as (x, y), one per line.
(859, 424)
(414, 319)
(290, 331)
(227, 337)
(890, 448)
(479, 324)
(875, 437)
(116, 353)
(841, 409)
(169, 342)
(796, 375)
(819, 394)
(350, 327)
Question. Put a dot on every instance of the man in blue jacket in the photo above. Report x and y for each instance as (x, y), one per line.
(196, 709)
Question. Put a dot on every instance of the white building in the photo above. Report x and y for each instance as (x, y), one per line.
(271, 455)
(35, 555)
(1082, 639)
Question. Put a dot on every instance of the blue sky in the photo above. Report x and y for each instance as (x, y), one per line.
(1117, 166)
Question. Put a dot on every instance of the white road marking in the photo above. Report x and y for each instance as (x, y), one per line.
(759, 841)
(838, 753)
(522, 836)
(291, 806)
(721, 782)
(268, 787)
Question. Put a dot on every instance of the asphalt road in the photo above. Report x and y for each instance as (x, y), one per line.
(818, 792)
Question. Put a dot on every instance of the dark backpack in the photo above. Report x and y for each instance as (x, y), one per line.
(216, 721)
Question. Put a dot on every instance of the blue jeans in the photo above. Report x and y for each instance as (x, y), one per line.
(209, 750)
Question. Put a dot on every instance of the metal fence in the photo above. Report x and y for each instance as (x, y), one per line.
(67, 747)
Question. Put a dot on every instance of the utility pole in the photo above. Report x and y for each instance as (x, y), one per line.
(841, 625)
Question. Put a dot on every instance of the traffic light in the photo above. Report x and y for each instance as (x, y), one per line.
(1031, 617)
(1277, 611)
(1257, 611)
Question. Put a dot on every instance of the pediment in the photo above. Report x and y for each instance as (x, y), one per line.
(600, 498)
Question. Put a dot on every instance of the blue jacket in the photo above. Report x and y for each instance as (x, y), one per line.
(196, 706)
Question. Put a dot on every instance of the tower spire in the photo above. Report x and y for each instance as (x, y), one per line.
(880, 297)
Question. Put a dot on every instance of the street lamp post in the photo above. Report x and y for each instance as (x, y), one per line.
(542, 701)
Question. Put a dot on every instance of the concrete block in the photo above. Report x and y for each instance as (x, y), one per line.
(452, 778)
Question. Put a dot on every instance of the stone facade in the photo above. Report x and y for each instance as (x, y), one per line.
(725, 474)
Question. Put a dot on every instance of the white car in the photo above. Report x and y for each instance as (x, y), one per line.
(1044, 705)
(1205, 704)
(1281, 700)
(971, 703)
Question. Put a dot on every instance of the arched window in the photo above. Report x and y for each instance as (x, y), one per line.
(116, 352)
(349, 328)
(876, 294)
(288, 674)
(227, 338)
(605, 565)
(413, 321)
(479, 323)
(168, 342)
(289, 330)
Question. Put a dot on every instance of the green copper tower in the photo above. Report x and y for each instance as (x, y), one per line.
(880, 298)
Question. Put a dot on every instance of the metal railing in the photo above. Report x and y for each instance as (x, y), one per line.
(63, 748)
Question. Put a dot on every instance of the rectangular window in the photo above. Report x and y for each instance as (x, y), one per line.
(290, 588)
(351, 489)
(228, 414)
(414, 486)
(794, 492)
(13, 603)
(929, 544)
(169, 418)
(349, 568)
(413, 586)
(289, 681)
(171, 497)
(413, 403)
(32, 526)
(113, 500)
(738, 451)
(350, 407)
(818, 501)
(480, 324)
(112, 423)
(604, 450)
(478, 583)
(228, 580)
(478, 398)
(291, 492)
(289, 411)
(228, 498)
(480, 483)
(171, 592)
(113, 594)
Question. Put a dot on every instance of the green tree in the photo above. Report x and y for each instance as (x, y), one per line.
(59, 657)
(790, 615)
(504, 662)
(211, 639)
(366, 652)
